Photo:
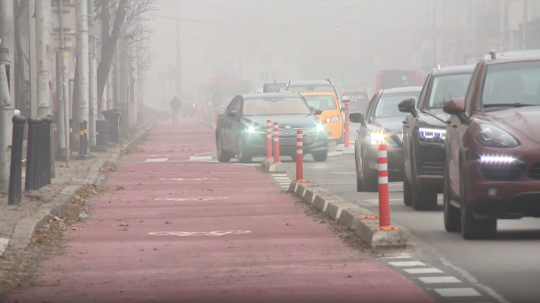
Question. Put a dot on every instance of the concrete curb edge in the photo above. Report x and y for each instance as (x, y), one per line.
(350, 215)
(26, 228)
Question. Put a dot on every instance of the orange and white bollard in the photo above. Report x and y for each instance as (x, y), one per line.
(300, 158)
(346, 125)
(268, 140)
(384, 200)
(276, 143)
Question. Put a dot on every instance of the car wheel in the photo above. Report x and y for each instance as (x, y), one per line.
(407, 191)
(320, 156)
(223, 156)
(359, 182)
(370, 178)
(472, 228)
(243, 154)
(422, 199)
(452, 217)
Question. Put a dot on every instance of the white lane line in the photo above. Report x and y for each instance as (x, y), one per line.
(434, 280)
(281, 178)
(423, 270)
(397, 256)
(279, 175)
(156, 160)
(407, 263)
(457, 292)
(203, 158)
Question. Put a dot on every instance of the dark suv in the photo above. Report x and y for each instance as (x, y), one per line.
(492, 159)
(424, 131)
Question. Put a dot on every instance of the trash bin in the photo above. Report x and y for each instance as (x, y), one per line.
(113, 115)
(102, 129)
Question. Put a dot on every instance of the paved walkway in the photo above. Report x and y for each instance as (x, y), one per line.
(191, 231)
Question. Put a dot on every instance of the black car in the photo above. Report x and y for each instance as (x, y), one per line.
(424, 131)
(380, 123)
(241, 130)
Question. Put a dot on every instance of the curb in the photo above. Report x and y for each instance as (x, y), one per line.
(354, 217)
(26, 228)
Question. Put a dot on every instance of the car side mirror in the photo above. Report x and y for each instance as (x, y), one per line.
(455, 106)
(407, 106)
(357, 118)
(317, 112)
(232, 114)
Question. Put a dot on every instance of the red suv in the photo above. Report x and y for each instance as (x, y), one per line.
(492, 146)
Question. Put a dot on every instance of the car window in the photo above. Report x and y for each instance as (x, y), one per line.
(371, 105)
(312, 89)
(321, 102)
(232, 105)
(511, 83)
(238, 105)
(447, 87)
(275, 87)
(388, 105)
(275, 106)
(423, 92)
(470, 88)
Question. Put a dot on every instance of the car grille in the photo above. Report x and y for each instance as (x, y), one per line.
(534, 171)
(502, 172)
(292, 133)
(432, 168)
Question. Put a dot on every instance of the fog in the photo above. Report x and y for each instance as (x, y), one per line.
(351, 40)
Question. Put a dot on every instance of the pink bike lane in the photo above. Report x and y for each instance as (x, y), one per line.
(192, 231)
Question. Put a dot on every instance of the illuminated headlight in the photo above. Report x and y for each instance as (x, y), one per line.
(319, 128)
(492, 136)
(497, 159)
(333, 119)
(376, 138)
(253, 130)
(432, 135)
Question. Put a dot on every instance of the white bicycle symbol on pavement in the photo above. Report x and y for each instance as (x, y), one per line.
(190, 199)
(217, 233)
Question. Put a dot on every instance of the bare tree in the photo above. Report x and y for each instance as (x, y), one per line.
(125, 12)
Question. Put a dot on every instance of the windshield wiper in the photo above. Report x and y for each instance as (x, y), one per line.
(509, 105)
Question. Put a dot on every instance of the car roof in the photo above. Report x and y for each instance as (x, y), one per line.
(451, 70)
(277, 82)
(515, 56)
(310, 82)
(318, 94)
(407, 89)
(270, 95)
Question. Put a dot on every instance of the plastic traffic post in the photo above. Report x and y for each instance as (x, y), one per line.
(346, 124)
(384, 202)
(299, 158)
(268, 139)
(276, 143)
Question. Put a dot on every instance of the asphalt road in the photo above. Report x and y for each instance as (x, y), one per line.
(508, 266)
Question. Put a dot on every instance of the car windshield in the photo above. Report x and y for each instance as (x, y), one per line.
(275, 106)
(275, 87)
(388, 104)
(512, 85)
(448, 87)
(311, 89)
(321, 102)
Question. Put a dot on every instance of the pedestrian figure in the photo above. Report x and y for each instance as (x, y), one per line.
(175, 107)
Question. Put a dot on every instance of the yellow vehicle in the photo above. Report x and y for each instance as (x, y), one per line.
(331, 113)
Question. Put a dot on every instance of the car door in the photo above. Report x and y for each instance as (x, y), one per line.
(410, 124)
(227, 125)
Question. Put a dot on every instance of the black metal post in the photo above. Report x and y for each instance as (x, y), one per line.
(46, 129)
(31, 154)
(81, 138)
(15, 173)
(39, 155)
(85, 124)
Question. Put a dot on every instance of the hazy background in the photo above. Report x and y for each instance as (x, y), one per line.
(319, 39)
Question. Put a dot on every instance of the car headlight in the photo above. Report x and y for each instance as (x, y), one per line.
(492, 136)
(253, 130)
(319, 128)
(432, 135)
(333, 119)
(376, 138)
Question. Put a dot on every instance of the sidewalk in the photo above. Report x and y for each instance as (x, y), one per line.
(173, 230)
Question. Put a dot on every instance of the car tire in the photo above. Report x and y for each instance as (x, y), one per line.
(407, 191)
(422, 199)
(359, 182)
(243, 155)
(320, 156)
(223, 155)
(472, 228)
(452, 216)
(370, 179)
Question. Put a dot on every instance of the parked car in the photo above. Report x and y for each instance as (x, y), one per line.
(241, 130)
(424, 130)
(328, 104)
(492, 163)
(380, 123)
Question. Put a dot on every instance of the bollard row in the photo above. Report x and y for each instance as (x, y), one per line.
(276, 143)
(346, 125)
